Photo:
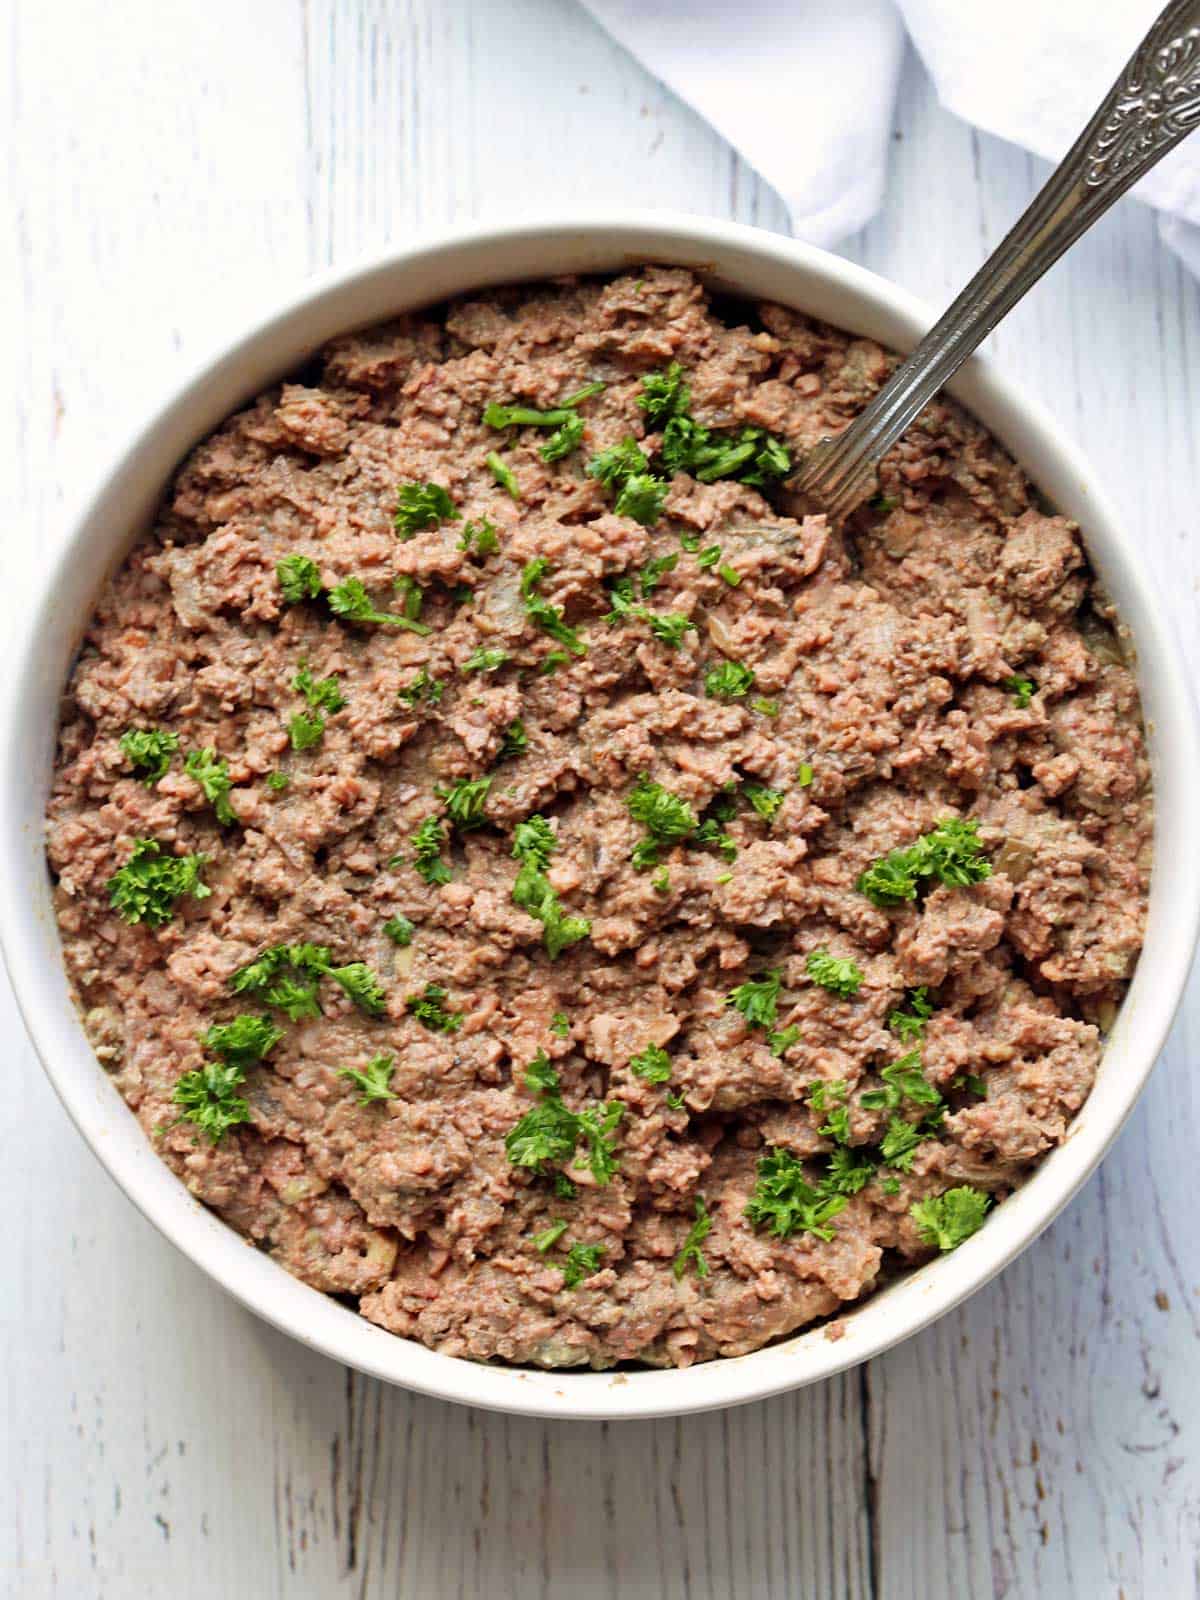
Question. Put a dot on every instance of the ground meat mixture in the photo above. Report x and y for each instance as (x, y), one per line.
(652, 1076)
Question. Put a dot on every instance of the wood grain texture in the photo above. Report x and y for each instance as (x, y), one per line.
(167, 168)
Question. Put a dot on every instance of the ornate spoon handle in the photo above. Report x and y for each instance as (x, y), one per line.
(1152, 106)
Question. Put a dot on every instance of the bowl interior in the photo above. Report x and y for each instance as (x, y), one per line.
(747, 262)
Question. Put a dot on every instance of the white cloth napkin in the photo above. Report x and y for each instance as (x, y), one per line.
(804, 89)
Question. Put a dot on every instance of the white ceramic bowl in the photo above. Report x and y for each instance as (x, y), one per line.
(754, 263)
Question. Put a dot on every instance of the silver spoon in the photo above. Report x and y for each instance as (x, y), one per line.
(1154, 104)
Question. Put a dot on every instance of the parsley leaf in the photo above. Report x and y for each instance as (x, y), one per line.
(765, 801)
(619, 462)
(950, 852)
(480, 538)
(213, 777)
(568, 436)
(373, 1080)
(582, 1261)
(534, 893)
(768, 708)
(515, 741)
(482, 660)
(784, 1202)
(947, 1219)
(350, 601)
(540, 1076)
(910, 1024)
(664, 394)
(691, 1251)
(503, 474)
(595, 1126)
(641, 497)
(732, 680)
(429, 1010)
(780, 1043)
(1022, 691)
(546, 1133)
(540, 612)
(399, 930)
(804, 774)
(669, 627)
(901, 1140)
(422, 688)
(306, 729)
(322, 694)
(277, 781)
(560, 1025)
(840, 976)
(653, 1064)
(664, 815)
(465, 802)
(757, 999)
(549, 1236)
(534, 840)
(299, 578)
(651, 575)
(362, 985)
(848, 1172)
(244, 1040)
(422, 505)
(146, 888)
(427, 845)
(149, 752)
(207, 1097)
(905, 1080)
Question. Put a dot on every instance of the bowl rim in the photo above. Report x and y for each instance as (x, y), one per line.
(891, 1314)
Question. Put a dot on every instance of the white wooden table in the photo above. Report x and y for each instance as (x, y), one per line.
(170, 166)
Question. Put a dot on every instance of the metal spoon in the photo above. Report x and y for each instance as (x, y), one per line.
(1154, 104)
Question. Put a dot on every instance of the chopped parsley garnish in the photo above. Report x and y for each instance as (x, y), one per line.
(691, 1251)
(501, 416)
(732, 680)
(582, 1261)
(485, 660)
(373, 1081)
(350, 601)
(533, 841)
(674, 1100)
(849, 1171)
(972, 1084)
(651, 575)
(566, 437)
(653, 1064)
(950, 852)
(427, 844)
(552, 662)
(765, 801)
(712, 832)
(619, 462)
(757, 999)
(422, 689)
(465, 802)
(208, 1098)
(546, 1133)
(910, 1024)
(904, 1080)
(664, 394)
(322, 694)
(669, 627)
(362, 985)
(306, 729)
(560, 1025)
(413, 596)
(212, 775)
(550, 1236)
(784, 1202)
(901, 1140)
(889, 1185)
(244, 1040)
(661, 881)
(947, 1219)
(664, 815)
(826, 1092)
(1022, 691)
(540, 1076)
(840, 976)
(883, 502)
(480, 538)
(399, 930)
(837, 1125)
(277, 781)
(422, 505)
(768, 708)
(515, 741)
(149, 752)
(286, 976)
(146, 888)
(503, 474)
(595, 1126)
(804, 774)
(641, 497)
(540, 612)
(781, 1042)
(709, 557)
(751, 454)
(430, 1010)
(299, 578)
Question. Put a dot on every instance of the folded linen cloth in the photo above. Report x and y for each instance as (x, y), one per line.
(805, 89)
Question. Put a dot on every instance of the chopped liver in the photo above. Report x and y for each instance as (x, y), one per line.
(884, 658)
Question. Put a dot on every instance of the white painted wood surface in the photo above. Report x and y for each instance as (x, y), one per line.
(166, 167)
